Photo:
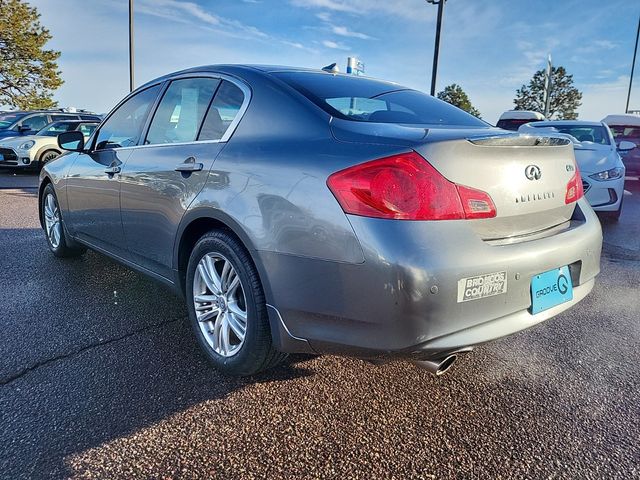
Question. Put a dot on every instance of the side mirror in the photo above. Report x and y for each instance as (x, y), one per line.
(24, 128)
(625, 146)
(72, 141)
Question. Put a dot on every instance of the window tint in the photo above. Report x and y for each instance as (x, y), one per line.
(36, 122)
(87, 128)
(56, 128)
(368, 100)
(181, 110)
(64, 117)
(124, 127)
(223, 111)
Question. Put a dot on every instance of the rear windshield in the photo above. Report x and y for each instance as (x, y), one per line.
(368, 100)
(513, 123)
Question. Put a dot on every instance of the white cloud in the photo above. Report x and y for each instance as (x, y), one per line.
(416, 10)
(334, 45)
(601, 99)
(324, 16)
(345, 32)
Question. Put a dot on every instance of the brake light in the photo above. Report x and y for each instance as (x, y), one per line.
(575, 191)
(406, 187)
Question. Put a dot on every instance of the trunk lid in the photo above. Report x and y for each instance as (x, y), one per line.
(494, 161)
(526, 177)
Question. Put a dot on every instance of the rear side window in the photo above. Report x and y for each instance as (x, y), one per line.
(368, 100)
(64, 117)
(224, 109)
(93, 118)
(181, 110)
(124, 126)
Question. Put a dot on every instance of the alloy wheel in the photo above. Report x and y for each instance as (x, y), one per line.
(52, 220)
(220, 304)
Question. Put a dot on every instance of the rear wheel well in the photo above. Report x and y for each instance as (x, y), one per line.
(190, 236)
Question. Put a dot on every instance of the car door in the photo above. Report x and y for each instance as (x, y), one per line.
(163, 176)
(93, 183)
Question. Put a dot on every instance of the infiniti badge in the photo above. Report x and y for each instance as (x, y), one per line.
(532, 172)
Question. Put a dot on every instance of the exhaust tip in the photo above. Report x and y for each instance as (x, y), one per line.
(446, 364)
(438, 367)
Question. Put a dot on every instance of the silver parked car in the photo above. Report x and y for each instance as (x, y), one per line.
(598, 158)
(304, 211)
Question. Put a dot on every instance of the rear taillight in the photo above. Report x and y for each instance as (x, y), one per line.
(406, 187)
(575, 191)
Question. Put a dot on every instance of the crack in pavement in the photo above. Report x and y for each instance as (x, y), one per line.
(11, 378)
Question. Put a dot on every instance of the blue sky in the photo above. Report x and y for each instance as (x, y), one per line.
(490, 47)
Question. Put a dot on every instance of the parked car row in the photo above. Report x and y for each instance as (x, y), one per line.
(29, 139)
(605, 152)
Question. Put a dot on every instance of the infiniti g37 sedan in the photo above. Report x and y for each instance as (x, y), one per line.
(304, 211)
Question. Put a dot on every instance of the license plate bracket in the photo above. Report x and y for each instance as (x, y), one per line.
(551, 288)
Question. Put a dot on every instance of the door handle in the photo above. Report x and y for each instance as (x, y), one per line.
(189, 165)
(113, 169)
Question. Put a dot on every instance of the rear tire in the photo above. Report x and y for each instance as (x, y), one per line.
(54, 229)
(227, 307)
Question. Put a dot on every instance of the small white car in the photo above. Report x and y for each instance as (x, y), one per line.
(34, 151)
(598, 159)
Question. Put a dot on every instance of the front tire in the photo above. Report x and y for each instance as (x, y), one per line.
(54, 230)
(46, 157)
(227, 307)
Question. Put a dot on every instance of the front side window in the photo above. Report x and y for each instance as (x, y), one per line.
(224, 109)
(36, 122)
(181, 110)
(123, 128)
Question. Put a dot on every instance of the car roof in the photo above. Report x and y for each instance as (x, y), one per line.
(266, 69)
(622, 119)
(521, 115)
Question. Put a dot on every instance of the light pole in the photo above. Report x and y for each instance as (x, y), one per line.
(436, 47)
(131, 82)
(633, 66)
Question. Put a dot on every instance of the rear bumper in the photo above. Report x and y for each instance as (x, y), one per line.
(403, 300)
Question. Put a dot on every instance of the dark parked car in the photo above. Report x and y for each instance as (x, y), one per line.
(303, 211)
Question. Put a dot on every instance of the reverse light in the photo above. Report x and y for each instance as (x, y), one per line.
(612, 174)
(574, 188)
(406, 187)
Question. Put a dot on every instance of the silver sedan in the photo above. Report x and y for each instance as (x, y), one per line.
(304, 211)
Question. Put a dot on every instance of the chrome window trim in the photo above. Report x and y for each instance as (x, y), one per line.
(246, 90)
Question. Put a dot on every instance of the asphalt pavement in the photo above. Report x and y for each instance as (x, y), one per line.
(101, 378)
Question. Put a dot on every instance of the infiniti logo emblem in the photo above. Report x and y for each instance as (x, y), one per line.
(533, 172)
